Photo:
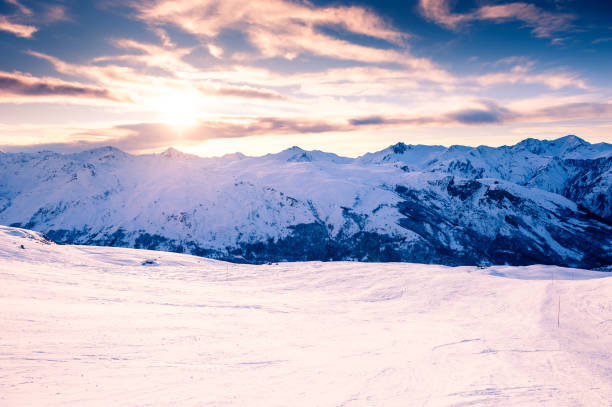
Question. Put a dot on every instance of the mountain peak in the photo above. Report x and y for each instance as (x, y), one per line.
(399, 148)
(104, 149)
(297, 154)
(287, 153)
(304, 205)
(172, 152)
(570, 139)
(106, 153)
(556, 147)
(237, 155)
(295, 149)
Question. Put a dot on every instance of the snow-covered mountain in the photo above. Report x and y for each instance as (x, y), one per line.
(535, 202)
(568, 166)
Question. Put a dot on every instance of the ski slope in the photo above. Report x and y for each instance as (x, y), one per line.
(84, 325)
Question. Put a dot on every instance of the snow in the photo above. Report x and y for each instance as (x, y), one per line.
(223, 204)
(94, 326)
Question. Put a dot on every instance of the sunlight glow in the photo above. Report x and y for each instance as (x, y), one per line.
(179, 109)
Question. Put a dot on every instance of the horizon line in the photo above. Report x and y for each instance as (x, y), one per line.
(29, 149)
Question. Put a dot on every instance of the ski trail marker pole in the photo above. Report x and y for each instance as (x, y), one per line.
(558, 312)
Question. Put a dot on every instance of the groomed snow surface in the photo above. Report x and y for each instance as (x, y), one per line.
(94, 326)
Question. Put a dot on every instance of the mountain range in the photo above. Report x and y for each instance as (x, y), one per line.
(536, 202)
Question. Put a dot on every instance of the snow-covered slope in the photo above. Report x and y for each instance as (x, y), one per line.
(568, 166)
(100, 326)
(457, 205)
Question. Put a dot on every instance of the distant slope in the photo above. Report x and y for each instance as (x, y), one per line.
(100, 326)
(536, 202)
(568, 166)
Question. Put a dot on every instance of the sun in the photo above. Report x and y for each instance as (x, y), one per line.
(179, 109)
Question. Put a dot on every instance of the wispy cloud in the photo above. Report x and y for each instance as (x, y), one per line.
(181, 77)
(142, 137)
(543, 23)
(146, 137)
(168, 58)
(346, 71)
(481, 113)
(244, 92)
(24, 22)
(209, 17)
(54, 13)
(600, 40)
(490, 113)
(27, 87)
(572, 111)
(20, 30)
(285, 29)
(523, 73)
(20, 7)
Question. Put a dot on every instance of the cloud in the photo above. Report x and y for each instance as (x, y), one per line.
(215, 50)
(134, 138)
(20, 30)
(244, 92)
(183, 79)
(54, 13)
(285, 29)
(523, 74)
(477, 116)
(159, 76)
(167, 58)
(143, 137)
(389, 121)
(482, 112)
(600, 40)
(543, 24)
(22, 9)
(568, 111)
(139, 137)
(368, 120)
(28, 87)
(164, 37)
(230, 97)
(439, 11)
(209, 17)
(146, 137)
(45, 14)
(489, 113)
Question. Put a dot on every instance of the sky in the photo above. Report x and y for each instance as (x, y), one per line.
(212, 77)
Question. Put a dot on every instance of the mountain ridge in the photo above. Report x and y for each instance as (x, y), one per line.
(457, 205)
